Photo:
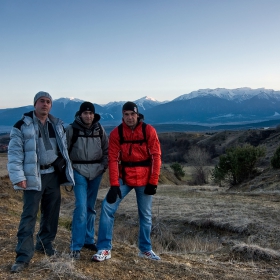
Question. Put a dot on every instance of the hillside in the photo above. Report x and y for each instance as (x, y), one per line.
(176, 145)
(200, 232)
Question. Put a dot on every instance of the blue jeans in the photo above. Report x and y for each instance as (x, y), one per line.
(84, 213)
(107, 217)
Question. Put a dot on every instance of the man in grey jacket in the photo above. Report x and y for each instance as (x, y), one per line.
(88, 151)
(36, 141)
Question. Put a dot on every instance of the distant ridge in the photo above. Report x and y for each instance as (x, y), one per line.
(205, 107)
(239, 94)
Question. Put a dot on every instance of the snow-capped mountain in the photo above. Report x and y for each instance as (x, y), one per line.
(204, 106)
(143, 103)
(66, 100)
(220, 106)
(113, 110)
(146, 103)
(113, 104)
(239, 94)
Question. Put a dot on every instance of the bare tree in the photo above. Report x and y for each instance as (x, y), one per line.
(198, 158)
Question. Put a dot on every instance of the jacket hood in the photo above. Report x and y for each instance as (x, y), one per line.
(96, 118)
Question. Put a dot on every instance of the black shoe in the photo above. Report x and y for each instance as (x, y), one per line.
(91, 247)
(75, 255)
(18, 267)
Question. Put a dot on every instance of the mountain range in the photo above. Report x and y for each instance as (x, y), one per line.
(204, 107)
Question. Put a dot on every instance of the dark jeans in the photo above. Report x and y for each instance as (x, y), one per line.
(50, 198)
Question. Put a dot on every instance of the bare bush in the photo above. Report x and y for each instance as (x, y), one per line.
(199, 158)
(254, 252)
(62, 267)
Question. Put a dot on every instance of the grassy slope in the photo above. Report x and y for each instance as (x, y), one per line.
(200, 232)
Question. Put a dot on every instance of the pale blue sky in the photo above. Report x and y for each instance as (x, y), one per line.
(112, 50)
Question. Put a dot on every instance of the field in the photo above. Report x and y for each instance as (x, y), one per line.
(200, 232)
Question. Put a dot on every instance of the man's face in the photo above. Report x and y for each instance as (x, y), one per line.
(130, 118)
(87, 117)
(43, 106)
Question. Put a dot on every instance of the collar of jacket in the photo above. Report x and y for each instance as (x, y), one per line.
(28, 118)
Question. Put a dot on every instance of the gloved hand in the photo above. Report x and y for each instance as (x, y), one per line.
(113, 193)
(150, 189)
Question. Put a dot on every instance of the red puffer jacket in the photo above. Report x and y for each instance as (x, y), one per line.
(133, 152)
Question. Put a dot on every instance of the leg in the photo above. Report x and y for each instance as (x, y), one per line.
(79, 222)
(144, 203)
(50, 206)
(25, 245)
(92, 191)
(107, 218)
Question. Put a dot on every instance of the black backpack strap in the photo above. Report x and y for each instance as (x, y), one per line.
(144, 125)
(100, 131)
(146, 162)
(74, 139)
(120, 129)
(86, 161)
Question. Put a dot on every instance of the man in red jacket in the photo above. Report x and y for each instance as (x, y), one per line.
(134, 163)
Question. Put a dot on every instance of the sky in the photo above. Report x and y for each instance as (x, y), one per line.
(122, 50)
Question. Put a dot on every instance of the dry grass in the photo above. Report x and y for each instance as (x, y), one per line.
(3, 165)
(62, 267)
(247, 252)
(202, 232)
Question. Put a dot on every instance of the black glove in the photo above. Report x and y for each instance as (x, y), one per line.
(113, 193)
(150, 189)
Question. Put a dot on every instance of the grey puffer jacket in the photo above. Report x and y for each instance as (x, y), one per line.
(23, 155)
(87, 149)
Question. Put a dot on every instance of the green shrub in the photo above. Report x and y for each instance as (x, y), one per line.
(275, 160)
(178, 170)
(237, 164)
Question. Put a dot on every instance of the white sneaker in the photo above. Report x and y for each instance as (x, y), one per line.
(101, 255)
(149, 255)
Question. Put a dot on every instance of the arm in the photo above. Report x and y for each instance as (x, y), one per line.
(16, 158)
(114, 157)
(155, 153)
(114, 152)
